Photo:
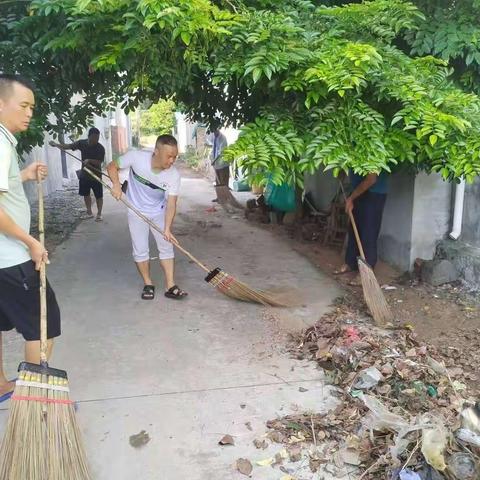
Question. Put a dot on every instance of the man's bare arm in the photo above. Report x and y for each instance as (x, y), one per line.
(63, 146)
(112, 170)
(364, 185)
(169, 217)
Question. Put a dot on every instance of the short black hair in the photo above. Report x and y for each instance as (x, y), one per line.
(8, 79)
(166, 140)
(94, 131)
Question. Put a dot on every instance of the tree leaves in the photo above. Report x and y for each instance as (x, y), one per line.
(313, 86)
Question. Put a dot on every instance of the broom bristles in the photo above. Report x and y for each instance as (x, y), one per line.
(42, 439)
(373, 294)
(230, 286)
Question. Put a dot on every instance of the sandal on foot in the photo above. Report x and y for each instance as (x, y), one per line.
(148, 292)
(175, 293)
(99, 218)
(342, 270)
(7, 395)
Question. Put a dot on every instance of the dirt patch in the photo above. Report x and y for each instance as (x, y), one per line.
(64, 210)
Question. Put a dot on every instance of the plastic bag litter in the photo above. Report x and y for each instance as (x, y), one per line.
(463, 467)
(368, 378)
(407, 474)
(467, 436)
(434, 441)
(381, 418)
(471, 418)
(437, 367)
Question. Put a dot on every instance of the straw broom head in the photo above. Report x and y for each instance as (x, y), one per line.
(230, 286)
(373, 295)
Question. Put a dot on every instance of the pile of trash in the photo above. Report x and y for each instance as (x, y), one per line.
(403, 414)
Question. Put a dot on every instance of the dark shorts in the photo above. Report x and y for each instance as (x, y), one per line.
(20, 302)
(86, 184)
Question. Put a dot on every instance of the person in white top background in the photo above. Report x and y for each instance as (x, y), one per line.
(153, 188)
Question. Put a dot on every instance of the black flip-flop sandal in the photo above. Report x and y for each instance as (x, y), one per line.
(175, 293)
(148, 292)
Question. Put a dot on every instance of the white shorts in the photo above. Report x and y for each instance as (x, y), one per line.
(139, 232)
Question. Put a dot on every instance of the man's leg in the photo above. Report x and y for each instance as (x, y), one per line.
(139, 232)
(217, 184)
(97, 188)
(32, 350)
(223, 176)
(372, 222)
(5, 385)
(351, 254)
(88, 204)
(168, 267)
(144, 271)
(217, 177)
(84, 191)
(167, 261)
(32, 347)
(353, 251)
(99, 208)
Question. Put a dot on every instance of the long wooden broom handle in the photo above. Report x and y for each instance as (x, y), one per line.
(147, 220)
(43, 275)
(354, 226)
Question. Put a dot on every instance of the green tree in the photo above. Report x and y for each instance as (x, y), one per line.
(158, 119)
(316, 84)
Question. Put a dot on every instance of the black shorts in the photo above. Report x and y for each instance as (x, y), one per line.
(20, 302)
(86, 183)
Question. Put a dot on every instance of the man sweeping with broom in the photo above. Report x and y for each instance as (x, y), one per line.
(366, 202)
(153, 187)
(20, 253)
(42, 440)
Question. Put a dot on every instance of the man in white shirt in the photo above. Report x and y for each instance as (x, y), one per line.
(153, 188)
(20, 254)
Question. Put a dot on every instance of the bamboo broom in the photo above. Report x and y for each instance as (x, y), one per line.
(372, 292)
(218, 278)
(42, 440)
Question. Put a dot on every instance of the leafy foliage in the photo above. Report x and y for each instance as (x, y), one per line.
(315, 84)
(158, 119)
(450, 31)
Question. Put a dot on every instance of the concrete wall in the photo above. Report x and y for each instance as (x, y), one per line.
(471, 215)
(395, 241)
(431, 214)
(416, 217)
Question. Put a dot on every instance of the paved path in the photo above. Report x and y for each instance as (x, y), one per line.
(186, 372)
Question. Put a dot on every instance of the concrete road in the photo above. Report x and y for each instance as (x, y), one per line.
(186, 372)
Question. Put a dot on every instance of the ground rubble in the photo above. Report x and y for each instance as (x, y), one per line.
(403, 413)
(64, 210)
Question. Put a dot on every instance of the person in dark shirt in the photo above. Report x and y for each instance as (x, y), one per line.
(93, 155)
(366, 202)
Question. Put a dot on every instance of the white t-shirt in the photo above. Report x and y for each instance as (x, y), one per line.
(148, 190)
(12, 201)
